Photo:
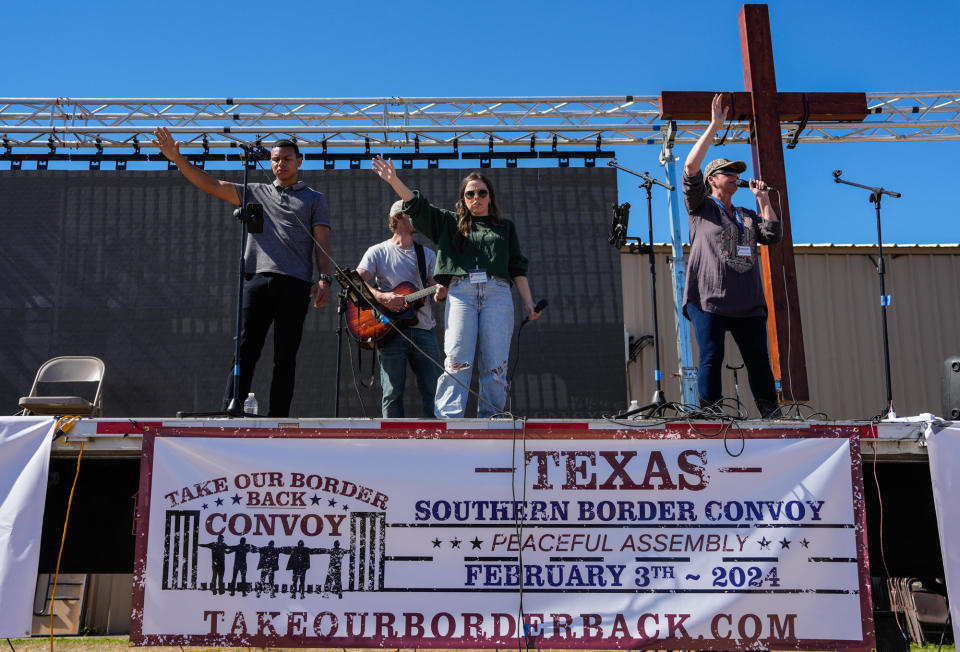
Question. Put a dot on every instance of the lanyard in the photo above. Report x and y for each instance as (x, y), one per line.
(736, 219)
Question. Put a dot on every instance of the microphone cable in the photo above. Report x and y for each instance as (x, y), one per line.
(516, 360)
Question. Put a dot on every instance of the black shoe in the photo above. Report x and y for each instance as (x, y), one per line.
(769, 410)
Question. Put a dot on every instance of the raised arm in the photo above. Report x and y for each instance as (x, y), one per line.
(385, 170)
(763, 201)
(718, 113)
(208, 184)
(769, 231)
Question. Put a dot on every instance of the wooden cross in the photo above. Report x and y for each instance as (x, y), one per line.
(764, 107)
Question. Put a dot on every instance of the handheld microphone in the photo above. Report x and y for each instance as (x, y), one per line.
(743, 183)
(537, 308)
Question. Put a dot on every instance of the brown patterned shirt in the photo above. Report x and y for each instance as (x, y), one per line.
(723, 271)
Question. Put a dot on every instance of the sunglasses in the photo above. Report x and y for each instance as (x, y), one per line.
(728, 173)
(479, 193)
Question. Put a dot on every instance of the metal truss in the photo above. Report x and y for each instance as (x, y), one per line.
(520, 124)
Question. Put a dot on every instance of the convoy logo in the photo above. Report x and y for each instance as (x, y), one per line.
(273, 524)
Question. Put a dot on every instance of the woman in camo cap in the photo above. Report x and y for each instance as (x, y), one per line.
(724, 290)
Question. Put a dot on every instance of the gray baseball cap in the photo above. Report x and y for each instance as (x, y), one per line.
(718, 164)
(397, 208)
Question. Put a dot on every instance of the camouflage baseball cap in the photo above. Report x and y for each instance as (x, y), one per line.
(718, 164)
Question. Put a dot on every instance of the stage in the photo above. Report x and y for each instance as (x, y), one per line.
(898, 441)
(110, 503)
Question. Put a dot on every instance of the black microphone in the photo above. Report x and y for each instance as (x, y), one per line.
(743, 183)
(837, 173)
(537, 308)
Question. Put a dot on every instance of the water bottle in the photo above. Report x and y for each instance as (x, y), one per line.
(250, 405)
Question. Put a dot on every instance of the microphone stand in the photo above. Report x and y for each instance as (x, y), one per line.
(341, 309)
(876, 194)
(658, 401)
(235, 406)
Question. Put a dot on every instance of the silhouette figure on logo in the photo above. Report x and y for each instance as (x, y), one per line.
(268, 565)
(240, 565)
(333, 582)
(218, 551)
(299, 563)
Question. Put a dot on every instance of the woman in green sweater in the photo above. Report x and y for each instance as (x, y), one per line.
(478, 259)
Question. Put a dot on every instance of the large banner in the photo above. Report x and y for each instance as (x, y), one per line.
(430, 539)
(943, 445)
(24, 460)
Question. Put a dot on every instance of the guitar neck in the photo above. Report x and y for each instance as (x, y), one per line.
(419, 294)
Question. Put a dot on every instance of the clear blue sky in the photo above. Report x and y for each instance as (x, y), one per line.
(376, 49)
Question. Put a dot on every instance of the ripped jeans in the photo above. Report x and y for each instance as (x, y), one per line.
(484, 313)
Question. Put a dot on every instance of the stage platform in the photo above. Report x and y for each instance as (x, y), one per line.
(100, 542)
(899, 441)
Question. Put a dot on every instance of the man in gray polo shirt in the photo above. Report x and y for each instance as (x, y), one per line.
(278, 265)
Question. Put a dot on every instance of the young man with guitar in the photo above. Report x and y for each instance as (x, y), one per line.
(403, 272)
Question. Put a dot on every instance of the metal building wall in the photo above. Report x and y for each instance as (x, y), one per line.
(839, 302)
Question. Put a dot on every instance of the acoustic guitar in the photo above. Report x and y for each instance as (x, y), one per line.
(371, 326)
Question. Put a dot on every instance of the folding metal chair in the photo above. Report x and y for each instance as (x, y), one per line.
(66, 369)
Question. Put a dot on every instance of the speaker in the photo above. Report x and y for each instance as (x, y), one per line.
(950, 388)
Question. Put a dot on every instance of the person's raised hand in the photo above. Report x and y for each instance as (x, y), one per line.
(168, 146)
(718, 112)
(384, 168)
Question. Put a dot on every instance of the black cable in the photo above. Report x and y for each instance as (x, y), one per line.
(354, 373)
(883, 556)
(943, 632)
(688, 413)
(367, 384)
(516, 360)
(519, 520)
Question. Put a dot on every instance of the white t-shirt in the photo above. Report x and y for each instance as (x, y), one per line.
(390, 265)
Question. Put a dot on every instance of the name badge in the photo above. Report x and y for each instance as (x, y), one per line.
(478, 276)
(743, 251)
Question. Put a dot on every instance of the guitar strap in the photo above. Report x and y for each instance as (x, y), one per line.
(421, 263)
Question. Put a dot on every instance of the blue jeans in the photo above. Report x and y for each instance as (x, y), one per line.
(750, 334)
(483, 313)
(393, 370)
(282, 301)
